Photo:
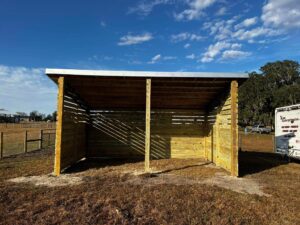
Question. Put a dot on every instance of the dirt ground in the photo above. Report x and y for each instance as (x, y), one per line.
(176, 192)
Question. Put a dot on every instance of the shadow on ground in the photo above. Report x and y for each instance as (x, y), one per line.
(97, 163)
(255, 162)
(249, 163)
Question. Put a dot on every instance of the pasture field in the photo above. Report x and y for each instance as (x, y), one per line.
(177, 192)
(256, 142)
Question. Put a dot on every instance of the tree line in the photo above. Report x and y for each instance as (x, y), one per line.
(37, 116)
(277, 84)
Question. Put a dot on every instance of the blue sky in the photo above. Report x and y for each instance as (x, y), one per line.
(158, 35)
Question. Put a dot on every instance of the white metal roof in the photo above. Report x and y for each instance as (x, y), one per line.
(119, 73)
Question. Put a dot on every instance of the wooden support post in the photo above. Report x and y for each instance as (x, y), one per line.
(25, 141)
(1, 145)
(41, 140)
(234, 128)
(205, 136)
(147, 134)
(59, 126)
(217, 137)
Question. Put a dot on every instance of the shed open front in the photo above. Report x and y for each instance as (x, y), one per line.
(148, 115)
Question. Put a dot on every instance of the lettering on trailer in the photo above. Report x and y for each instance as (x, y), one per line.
(287, 132)
(284, 119)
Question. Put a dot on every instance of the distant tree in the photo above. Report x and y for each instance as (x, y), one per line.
(21, 114)
(54, 116)
(277, 85)
(36, 116)
(48, 117)
(281, 73)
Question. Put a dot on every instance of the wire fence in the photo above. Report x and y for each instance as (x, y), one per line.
(17, 142)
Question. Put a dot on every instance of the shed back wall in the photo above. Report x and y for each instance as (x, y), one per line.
(121, 134)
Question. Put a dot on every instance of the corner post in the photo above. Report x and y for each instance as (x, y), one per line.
(59, 127)
(234, 127)
(41, 139)
(205, 135)
(147, 127)
(1, 145)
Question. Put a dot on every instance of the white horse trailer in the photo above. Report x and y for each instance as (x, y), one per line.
(287, 131)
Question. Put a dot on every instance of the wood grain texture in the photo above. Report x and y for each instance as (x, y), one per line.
(71, 123)
(147, 125)
(130, 92)
(59, 125)
(122, 133)
(234, 128)
(223, 132)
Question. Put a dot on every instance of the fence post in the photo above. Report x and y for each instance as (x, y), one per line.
(41, 139)
(25, 141)
(48, 139)
(1, 145)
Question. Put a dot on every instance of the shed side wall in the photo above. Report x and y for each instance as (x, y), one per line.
(222, 136)
(72, 119)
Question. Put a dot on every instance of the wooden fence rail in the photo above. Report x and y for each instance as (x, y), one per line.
(44, 140)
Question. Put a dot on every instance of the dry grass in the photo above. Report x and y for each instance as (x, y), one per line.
(257, 142)
(107, 195)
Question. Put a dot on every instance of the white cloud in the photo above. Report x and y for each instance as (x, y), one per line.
(281, 13)
(185, 36)
(221, 29)
(102, 24)
(155, 59)
(26, 89)
(229, 30)
(191, 56)
(213, 51)
(187, 45)
(221, 12)
(243, 34)
(169, 57)
(246, 23)
(144, 7)
(226, 49)
(195, 9)
(234, 54)
(135, 39)
(236, 46)
(159, 57)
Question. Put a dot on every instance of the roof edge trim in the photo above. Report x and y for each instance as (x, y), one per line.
(120, 73)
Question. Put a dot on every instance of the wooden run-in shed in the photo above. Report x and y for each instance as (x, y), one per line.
(150, 115)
